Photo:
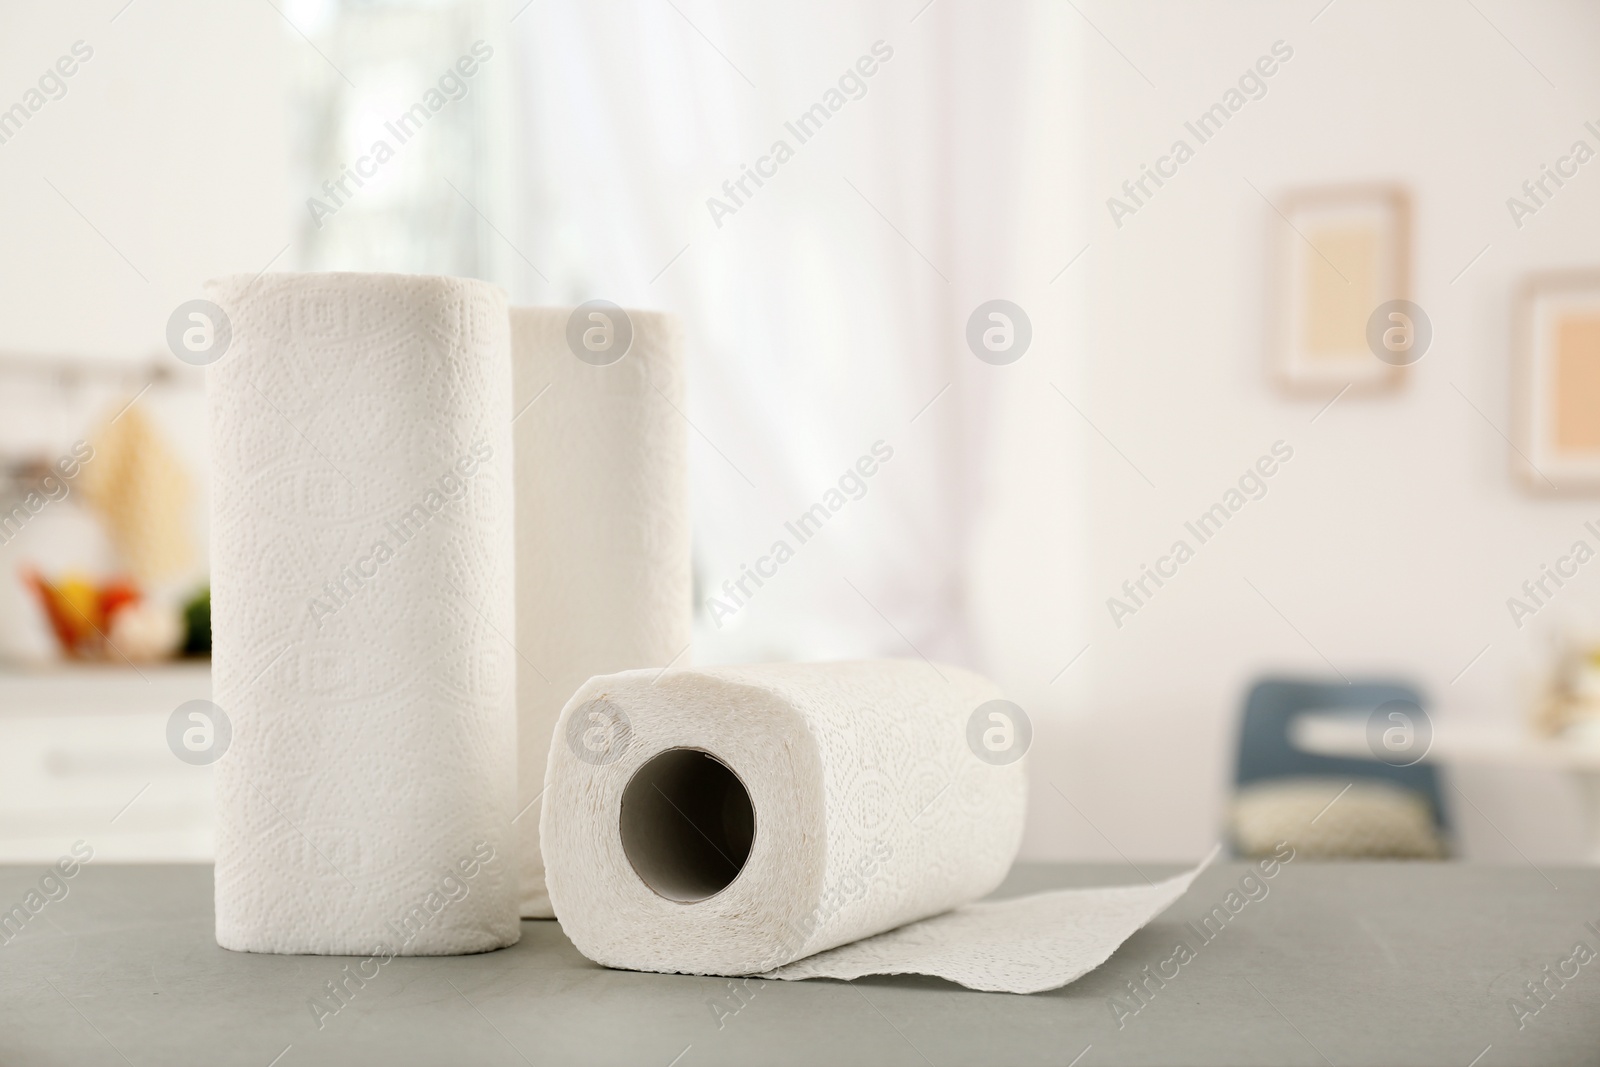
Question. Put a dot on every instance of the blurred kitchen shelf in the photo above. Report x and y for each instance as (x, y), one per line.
(83, 754)
(75, 688)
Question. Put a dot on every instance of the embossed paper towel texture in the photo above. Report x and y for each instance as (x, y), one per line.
(363, 615)
(603, 581)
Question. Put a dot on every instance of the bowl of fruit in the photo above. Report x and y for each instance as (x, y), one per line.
(109, 619)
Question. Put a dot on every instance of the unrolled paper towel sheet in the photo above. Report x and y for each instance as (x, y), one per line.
(603, 580)
(363, 616)
(798, 820)
(1023, 945)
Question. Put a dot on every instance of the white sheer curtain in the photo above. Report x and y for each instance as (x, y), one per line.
(827, 312)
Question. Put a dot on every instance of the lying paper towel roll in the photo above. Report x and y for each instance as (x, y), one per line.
(362, 612)
(603, 580)
(729, 820)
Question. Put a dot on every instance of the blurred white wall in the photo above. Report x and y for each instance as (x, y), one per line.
(1393, 538)
(169, 141)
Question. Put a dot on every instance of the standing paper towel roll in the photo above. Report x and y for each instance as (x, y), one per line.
(602, 520)
(363, 615)
(729, 820)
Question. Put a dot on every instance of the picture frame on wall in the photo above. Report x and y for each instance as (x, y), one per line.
(1556, 387)
(1342, 254)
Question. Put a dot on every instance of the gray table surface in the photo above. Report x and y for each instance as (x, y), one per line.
(1340, 963)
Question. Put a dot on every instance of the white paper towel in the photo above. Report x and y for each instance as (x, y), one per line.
(870, 811)
(603, 581)
(867, 811)
(1023, 945)
(362, 615)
